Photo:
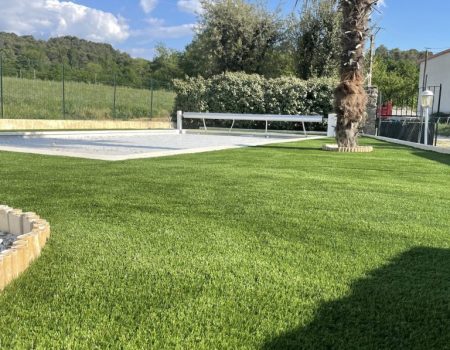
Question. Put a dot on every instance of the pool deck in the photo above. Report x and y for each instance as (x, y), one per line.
(124, 145)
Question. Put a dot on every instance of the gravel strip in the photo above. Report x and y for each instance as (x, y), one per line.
(6, 240)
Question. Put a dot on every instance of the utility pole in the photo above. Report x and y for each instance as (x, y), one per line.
(369, 80)
(424, 79)
(375, 31)
(1, 84)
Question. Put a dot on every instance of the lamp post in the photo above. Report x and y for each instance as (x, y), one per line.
(426, 101)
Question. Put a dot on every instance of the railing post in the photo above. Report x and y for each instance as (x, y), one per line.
(331, 127)
(151, 98)
(63, 93)
(1, 84)
(180, 121)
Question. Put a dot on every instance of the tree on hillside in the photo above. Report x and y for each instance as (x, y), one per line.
(233, 35)
(318, 40)
(165, 66)
(396, 78)
(397, 54)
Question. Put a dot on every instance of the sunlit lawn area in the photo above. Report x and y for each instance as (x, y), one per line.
(274, 247)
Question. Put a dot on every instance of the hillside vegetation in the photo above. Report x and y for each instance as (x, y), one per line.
(84, 60)
(40, 99)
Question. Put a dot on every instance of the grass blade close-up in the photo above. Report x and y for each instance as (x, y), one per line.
(281, 246)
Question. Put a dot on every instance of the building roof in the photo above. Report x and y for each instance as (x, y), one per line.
(442, 53)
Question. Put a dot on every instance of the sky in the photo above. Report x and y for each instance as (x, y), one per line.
(137, 26)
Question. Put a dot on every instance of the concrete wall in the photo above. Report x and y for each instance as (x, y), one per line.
(44, 124)
(32, 232)
(438, 71)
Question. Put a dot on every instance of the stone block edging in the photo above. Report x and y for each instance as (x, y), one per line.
(32, 234)
(357, 149)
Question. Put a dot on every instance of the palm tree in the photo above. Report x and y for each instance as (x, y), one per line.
(350, 96)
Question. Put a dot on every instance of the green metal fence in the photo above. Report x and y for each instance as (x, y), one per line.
(25, 94)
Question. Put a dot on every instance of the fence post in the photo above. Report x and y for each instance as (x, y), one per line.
(63, 93)
(151, 98)
(114, 98)
(180, 121)
(440, 95)
(1, 83)
(436, 131)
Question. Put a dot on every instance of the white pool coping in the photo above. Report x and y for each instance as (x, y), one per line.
(442, 150)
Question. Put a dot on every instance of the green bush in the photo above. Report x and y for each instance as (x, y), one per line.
(252, 93)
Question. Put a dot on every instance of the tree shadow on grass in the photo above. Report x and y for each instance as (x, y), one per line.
(434, 156)
(404, 305)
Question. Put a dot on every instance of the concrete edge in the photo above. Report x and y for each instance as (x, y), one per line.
(83, 124)
(441, 150)
(149, 154)
(33, 233)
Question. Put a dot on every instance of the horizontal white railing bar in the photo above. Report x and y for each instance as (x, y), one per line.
(253, 117)
(256, 117)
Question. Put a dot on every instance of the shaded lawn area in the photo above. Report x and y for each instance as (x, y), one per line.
(273, 247)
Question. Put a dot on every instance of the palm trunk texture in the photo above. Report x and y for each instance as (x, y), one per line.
(350, 95)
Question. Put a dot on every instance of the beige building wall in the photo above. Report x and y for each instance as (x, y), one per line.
(438, 72)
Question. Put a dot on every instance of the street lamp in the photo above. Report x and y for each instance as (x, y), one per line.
(426, 101)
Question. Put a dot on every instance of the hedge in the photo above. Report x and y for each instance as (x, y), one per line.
(252, 93)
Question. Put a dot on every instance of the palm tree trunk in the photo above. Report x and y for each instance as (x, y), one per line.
(350, 96)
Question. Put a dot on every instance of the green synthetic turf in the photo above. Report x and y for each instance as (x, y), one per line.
(272, 247)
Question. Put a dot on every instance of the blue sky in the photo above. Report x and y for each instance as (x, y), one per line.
(136, 26)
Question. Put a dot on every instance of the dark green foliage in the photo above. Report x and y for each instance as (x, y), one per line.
(238, 249)
(251, 93)
(396, 73)
(317, 36)
(397, 54)
(233, 36)
(84, 60)
(165, 66)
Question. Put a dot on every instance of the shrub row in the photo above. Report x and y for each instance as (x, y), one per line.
(251, 93)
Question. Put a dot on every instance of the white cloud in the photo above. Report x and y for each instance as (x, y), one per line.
(157, 29)
(190, 6)
(155, 21)
(148, 5)
(178, 31)
(45, 18)
(140, 52)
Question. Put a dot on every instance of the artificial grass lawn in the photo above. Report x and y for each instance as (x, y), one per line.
(274, 247)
